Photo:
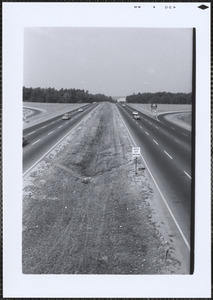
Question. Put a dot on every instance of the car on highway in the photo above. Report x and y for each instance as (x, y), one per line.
(24, 141)
(136, 115)
(66, 116)
(80, 110)
(123, 105)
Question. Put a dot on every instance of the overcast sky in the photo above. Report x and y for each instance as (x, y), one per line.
(111, 61)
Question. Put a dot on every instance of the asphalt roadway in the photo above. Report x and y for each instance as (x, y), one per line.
(166, 150)
(44, 136)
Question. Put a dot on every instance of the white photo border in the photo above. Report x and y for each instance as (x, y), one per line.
(17, 16)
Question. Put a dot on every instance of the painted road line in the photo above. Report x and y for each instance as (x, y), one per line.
(177, 141)
(44, 126)
(155, 142)
(30, 133)
(167, 154)
(187, 174)
(52, 122)
(45, 154)
(184, 134)
(141, 127)
(156, 127)
(162, 196)
(60, 126)
(172, 128)
(50, 132)
(35, 142)
(146, 132)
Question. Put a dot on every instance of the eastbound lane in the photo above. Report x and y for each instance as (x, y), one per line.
(174, 140)
(167, 153)
(43, 136)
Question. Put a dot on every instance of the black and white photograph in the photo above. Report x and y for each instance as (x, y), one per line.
(109, 109)
(107, 151)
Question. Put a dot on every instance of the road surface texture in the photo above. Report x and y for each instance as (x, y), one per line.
(166, 149)
(42, 136)
(85, 211)
(45, 111)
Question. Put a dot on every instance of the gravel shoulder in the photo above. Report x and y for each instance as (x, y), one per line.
(86, 212)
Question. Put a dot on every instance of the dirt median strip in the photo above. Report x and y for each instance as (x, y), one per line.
(86, 212)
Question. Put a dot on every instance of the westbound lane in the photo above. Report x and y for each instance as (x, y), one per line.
(43, 136)
(169, 163)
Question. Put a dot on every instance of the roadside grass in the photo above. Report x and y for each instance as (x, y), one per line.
(185, 117)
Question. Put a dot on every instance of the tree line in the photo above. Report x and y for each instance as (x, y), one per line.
(51, 95)
(161, 98)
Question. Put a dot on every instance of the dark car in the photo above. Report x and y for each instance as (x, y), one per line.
(66, 116)
(24, 141)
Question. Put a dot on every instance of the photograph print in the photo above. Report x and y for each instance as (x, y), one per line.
(108, 150)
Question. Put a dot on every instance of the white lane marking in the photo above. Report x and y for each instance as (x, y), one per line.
(177, 141)
(141, 127)
(30, 133)
(44, 126)
(60, 126)
(155, 142)
(50, 132)
(157, 127)
(53, 122)
(67, 122)
(136, 122)
(58, 142)
(162, 196)
(146, 132)
(35, 142)
(168, 154)
(184, 134)
(187, 174)
(173, 128)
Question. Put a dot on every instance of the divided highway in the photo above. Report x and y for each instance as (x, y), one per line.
(166, 150)
(43, 136)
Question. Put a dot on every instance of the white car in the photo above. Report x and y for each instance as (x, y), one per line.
(80, 110)
(123, 105)
(136, 115)
(66, 117)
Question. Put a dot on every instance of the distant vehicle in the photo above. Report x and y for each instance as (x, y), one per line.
(24, 141)
(66, 117)
(123, 105)
(154, 107)
(80, 110)
(136, 115)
